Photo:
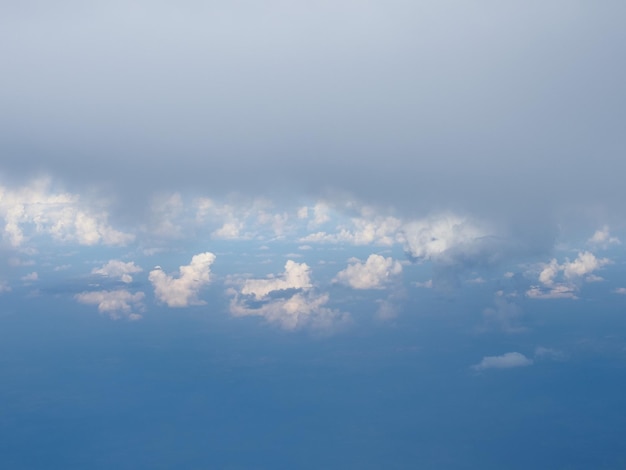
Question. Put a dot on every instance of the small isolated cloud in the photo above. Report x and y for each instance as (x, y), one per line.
(183, 290)
(287, 300)
(31, 277)
(602, 238)
(375, 273)
(4, 287)
(118, 269)
(506, 361)
(620, 290)
(116, 304)
(426, 285)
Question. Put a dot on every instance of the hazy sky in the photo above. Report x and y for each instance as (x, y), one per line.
(509, 109)
(322, 234)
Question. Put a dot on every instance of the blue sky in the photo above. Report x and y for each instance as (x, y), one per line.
(312, 235)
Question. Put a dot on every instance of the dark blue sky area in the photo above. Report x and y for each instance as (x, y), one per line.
(201, 390)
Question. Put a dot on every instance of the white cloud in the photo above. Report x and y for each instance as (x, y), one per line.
(573, 273)
(366, 230)
(620, 290)
(116, 303)
(4, 287)
(183, 290)
(375, 273)
(560, 291)
(30, 277)
(302, 308)
(36, 207)
(602, 238)
(438, 237)
(506, 361)
(119, 269)
(296, 276)
(426, 285)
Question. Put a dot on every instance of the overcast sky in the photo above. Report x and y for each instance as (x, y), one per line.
(501, 109)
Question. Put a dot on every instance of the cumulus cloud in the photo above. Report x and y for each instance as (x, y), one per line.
(505, 361)
(602, 238)
(295, 276)
(183, 290)
(287, 300)
(36, 208)
(116, 303)
(563, 280)
(375, 273)
(118, 269)
(620, 290)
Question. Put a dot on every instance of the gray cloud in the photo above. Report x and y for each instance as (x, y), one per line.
(506, 110)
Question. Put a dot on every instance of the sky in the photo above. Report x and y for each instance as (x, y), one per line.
(312, 234)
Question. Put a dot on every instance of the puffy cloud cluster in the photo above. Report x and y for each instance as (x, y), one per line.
(115, 303)
(375, 273)
(287, 300)
(118, 269)
(60, 215)
(564, 280)
(183, 290)
(505, 361)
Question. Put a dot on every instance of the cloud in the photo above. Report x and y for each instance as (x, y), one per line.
(4, 287)
(183, 290)
(296, 276)
(426, 284)
(441, 237)
(287, 300)
(119, 269)
(116, 303)
(573, 274)
(505, 361)
(36, 208)
(560, 291)
(504, 315)
(602, 238)
(30, 277)
(548, 353)
(375, 273)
